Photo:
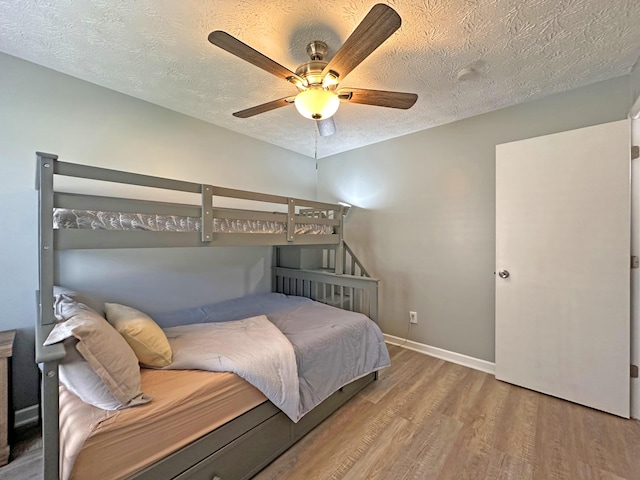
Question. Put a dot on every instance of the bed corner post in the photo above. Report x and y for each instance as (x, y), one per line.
(373, 302)
(275, 262)
(48, 357)
(340, 250)
(45, 168)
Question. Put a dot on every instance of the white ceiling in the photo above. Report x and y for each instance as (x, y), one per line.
(157, 50)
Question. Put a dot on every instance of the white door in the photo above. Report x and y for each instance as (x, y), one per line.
(563, 234)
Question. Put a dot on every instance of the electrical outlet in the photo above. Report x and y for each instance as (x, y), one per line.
(413, 317)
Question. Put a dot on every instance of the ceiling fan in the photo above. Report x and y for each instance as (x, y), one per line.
(318, 96)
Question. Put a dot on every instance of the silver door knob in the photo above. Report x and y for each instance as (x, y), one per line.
(503, 274)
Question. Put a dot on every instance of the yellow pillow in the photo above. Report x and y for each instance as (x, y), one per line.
(143, 335)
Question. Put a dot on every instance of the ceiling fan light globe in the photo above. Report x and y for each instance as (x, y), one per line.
(317, 103)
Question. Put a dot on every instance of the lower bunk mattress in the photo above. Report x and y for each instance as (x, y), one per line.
(332, 348)
(115, 444)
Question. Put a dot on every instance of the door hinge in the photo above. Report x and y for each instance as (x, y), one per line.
(634, 371)
(635, 261)
(635, 152)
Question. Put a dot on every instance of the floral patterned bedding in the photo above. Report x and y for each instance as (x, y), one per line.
(97, 220)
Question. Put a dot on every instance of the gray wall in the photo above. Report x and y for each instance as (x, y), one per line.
(41, 109)
(426, 226)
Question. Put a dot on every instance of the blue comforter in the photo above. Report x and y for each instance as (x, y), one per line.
(333, 347)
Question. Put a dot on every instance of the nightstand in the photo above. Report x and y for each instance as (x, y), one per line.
(6, 415)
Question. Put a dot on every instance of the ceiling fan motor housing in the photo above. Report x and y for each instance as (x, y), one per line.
(317, 50)
(312, 72)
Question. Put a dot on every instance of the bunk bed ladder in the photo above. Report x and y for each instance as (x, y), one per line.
(349, 263)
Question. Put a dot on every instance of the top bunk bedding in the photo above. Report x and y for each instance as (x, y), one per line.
(99, 220)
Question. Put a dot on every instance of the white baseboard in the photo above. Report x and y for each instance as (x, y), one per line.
(460, 359)
(26, 416)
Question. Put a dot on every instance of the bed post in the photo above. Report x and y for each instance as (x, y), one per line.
(47, 356)
(339, 248)
(275, 262)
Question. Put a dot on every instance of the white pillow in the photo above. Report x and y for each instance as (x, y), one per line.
(105, 351)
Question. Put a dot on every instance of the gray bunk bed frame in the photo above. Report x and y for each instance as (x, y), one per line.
(245, 445)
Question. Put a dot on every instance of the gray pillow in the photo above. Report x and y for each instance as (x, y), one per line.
(64, 298)
(79, 378)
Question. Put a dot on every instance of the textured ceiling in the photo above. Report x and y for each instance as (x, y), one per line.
(157, 50)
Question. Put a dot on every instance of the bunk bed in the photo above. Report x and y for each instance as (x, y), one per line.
(311, 264)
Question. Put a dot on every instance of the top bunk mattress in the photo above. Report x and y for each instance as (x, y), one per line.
(64, 218)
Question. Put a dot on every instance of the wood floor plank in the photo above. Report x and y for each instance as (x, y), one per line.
(503, 466)
(372, 465)
(429, 395)
(600, 441)
(631, 435)
(463, 464)
(463, 393)
(587, 472)
(428, 453)
(481, 419)
(555, 444)
(388, 378)
(517, 427)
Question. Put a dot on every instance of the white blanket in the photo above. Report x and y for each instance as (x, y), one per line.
(253, 349)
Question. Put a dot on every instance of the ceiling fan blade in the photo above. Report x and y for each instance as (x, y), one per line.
(242, 50)
(380, 98)
(375, 28)
(265, 107)
(326, 127)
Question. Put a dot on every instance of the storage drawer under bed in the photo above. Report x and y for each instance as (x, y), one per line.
(247, 454)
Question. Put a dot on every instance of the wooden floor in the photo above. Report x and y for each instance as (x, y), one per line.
(429, 419)
(25, 461)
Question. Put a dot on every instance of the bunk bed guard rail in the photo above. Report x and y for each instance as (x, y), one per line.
(299, 212)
